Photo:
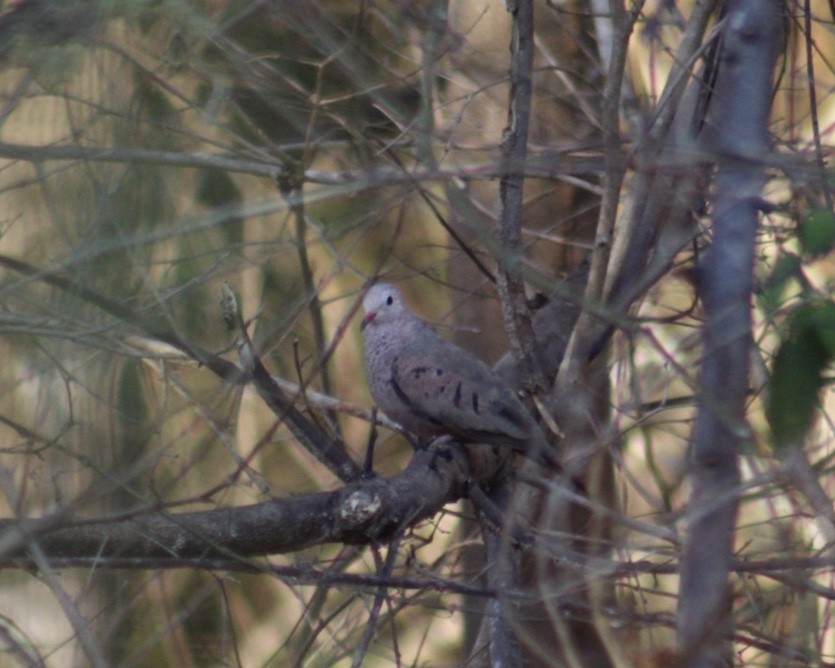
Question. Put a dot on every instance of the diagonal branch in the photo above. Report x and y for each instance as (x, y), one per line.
(313, 438)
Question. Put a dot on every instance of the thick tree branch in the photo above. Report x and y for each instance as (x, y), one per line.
(372, 509)
(738, 131)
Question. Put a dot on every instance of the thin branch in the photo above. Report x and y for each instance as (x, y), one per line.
(614, 167)
(579, 347)
(511, 286)
(292, 190)
(80, 625)
(385, 568)
(221, 367)
(652, 187)
(329, 451)
(448, 228)
(585, 163)
(813, 105)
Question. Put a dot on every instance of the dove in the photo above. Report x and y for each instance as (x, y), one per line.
(430, 386)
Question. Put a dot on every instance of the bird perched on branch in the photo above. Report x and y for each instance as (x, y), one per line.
(432, 387)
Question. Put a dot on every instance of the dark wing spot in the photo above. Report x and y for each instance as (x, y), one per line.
(423, 415)
(456, 399)
(439, 372)
(418, 371)
(475, 402)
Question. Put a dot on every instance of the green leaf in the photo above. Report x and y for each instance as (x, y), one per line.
(817, 232)
(797, 374)
(795, 382)
(823, 320)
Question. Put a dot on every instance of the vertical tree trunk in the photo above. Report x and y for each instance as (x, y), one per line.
(738, 135)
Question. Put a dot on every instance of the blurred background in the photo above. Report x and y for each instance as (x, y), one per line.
(140, 145)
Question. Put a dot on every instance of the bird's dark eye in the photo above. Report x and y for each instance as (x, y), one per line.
(389, 300)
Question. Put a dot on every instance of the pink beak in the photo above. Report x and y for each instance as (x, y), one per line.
(368, 318)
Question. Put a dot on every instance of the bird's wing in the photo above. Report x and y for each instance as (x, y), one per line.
(449, 388)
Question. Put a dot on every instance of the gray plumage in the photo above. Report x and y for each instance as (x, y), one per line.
(430, 386)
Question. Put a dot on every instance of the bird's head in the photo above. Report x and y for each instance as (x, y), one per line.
(382, 303)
